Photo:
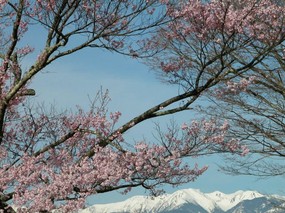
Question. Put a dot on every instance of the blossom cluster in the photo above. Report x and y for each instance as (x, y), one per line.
(261, 19)
(64, 175)
(234, 88)
(203, 31)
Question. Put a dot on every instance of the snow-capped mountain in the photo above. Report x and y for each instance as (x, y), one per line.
(195, 201)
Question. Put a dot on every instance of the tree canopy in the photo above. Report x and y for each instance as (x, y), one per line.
(51, 160)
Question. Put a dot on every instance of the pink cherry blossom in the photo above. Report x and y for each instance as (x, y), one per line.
(54, 160)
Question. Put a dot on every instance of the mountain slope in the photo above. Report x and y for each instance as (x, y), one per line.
(261, 204)
(195, 201)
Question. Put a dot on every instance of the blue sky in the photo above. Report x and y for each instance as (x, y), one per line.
(133, 89)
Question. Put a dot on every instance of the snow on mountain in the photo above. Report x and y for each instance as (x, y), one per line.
(228, 201)
(185, 196)
(134, 204)
(187, 200)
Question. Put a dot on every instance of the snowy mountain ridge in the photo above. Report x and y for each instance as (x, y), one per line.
(195, 201)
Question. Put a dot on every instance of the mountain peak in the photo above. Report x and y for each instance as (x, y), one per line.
(193, 200)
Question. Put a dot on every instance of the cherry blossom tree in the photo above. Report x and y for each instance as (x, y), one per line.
(253, 102)
(52, 160)
(254, 106)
